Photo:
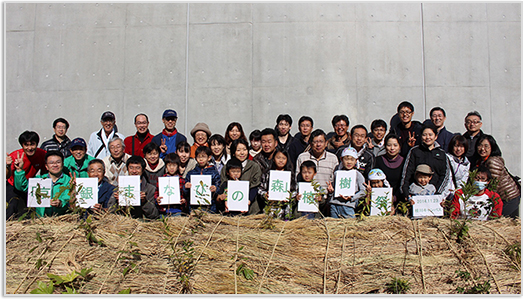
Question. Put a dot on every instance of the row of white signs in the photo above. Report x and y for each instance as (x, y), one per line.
(238, 193)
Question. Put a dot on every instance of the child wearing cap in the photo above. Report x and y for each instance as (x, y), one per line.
(78, 162)
(377, 179)
(344, 206)
(421, 186)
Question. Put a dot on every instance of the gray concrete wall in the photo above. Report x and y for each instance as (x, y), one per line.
(221, 62)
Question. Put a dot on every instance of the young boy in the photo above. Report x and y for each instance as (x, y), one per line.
(77, 163)
(344, 206)
(377, 179)
(255, 141)
(136, 166)
(172, 163)
(203, 157)
(97, 169)
(308, 170)
(484, 205)
(187, 163)
(233, 172)
(421, 186)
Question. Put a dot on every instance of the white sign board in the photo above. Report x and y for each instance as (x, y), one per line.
(381, 199)
(169, 190)
(279, 185)
(427, 206)
(129, 190)
(87, 192)
(307, 201)
(238, 195)
(200, 189)
(45, 188)
(345, 183)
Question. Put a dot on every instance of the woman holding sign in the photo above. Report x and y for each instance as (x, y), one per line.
(391, 164)
(429, 153)
(250, 171)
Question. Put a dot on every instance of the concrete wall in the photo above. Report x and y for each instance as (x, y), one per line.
(222, 62)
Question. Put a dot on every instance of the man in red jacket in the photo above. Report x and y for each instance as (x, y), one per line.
(135, 143)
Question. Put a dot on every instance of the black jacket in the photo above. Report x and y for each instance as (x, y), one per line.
(435, 158)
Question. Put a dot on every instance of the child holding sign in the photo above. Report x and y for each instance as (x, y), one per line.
(344, 206)
(484, 205)
(308, 170)
(172, 163)
(421, 186)
(233, 171)
(203, 157)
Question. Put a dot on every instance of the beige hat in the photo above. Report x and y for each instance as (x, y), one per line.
(424, 169)
(201, 127)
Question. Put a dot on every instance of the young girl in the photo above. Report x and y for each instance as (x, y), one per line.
(256, 144)
(172, 164)
(250, 171)
(377, 179)
(234, 132)
(234, 172)
(280, 162)
(458, 165)
(217, 143)
(187, 163)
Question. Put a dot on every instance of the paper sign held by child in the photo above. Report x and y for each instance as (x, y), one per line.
(129, 190)
(426, 206)
(346, 182)
(200, 190)
(41, 187)
(169, 190)
(381, 199)
(307, 201)
(238, 195)
(86, 192)
(279, 184)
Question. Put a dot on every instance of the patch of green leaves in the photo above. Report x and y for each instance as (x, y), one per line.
(398, 286)
(43, 288)
(125, 291)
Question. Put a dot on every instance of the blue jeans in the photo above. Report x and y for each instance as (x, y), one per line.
(341, 211)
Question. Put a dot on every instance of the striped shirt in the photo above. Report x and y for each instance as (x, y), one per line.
(326, 164)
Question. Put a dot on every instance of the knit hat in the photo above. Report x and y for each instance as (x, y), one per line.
(349, 151)
(376, 174)
(424, 169)
(200, 127)
(78, 142)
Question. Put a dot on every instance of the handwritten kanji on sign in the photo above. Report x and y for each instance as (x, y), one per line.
(129, 190)
(200, 190)
(39, 188)
(345, 183)
(279, 185)
(238, 195)
(169, 190)
(381, 199)
(307, 202)
(427, 206)
(87, 192)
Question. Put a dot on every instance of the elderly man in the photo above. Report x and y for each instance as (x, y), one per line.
(437, 117)
(341, 138)
(135, 143)
(59, 141)
(97, 146)
(115, 163)
(169, 138)
(326, 163)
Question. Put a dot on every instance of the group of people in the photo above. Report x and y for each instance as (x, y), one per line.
(413, 158)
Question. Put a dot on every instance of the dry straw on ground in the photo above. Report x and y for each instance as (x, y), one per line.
(293, 258)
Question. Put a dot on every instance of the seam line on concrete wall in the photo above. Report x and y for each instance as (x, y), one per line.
(423, 60)
(187, 67)
(489, 76)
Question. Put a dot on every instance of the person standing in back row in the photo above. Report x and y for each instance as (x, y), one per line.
(60, 141)
(169, 138)
(98, 145)
(135, 143)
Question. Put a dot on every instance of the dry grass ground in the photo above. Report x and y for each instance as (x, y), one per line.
(296, 257)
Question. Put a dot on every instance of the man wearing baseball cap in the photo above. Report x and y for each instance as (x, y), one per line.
(98, 141)
(77, 163)
(169, 137)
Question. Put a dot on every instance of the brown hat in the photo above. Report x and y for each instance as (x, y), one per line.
(424, 169)
(201, 127)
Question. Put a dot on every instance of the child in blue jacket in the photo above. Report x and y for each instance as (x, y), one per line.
(203, 156)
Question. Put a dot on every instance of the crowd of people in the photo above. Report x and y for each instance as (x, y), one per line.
(413, 158)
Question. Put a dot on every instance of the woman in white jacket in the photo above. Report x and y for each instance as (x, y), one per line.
(458, 164)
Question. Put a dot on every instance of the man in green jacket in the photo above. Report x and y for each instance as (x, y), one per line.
(54, 163)
(77, 163)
